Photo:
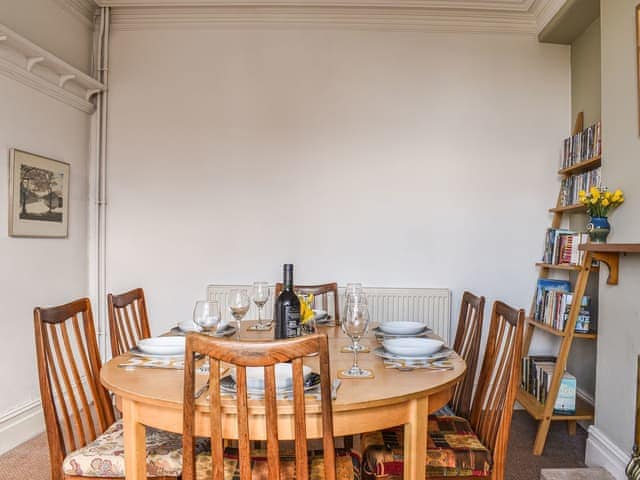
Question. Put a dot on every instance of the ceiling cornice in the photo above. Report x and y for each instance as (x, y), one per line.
(84, 10)
(495, 16)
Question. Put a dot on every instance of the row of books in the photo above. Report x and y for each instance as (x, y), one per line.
(561, 246)
(537, 374)
(582, 146)
(553, 304)
(571, 186)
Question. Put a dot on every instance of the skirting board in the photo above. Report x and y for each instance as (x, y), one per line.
(602, 452)
(20, 424)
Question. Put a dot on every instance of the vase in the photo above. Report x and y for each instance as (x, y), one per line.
(598, 229)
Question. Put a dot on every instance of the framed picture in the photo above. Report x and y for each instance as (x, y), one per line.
(38, 196)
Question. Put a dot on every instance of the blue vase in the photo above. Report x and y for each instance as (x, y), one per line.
(598, 229)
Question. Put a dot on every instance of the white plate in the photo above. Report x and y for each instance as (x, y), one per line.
(442, 354)
(381, 335)
(402, 328)
(162, 345)
(412, 347)
(284, 376)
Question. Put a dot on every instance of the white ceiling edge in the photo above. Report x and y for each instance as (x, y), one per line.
(496, 16)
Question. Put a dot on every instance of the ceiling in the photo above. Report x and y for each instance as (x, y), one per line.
(499, 16)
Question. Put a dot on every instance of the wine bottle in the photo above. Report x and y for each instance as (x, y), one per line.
(287, 307)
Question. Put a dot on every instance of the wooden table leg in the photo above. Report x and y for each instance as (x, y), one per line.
(415, 440)
(135, 450)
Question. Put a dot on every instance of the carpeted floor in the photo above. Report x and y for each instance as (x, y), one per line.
(30, 460)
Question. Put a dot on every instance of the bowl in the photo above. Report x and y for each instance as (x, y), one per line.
(402, 328)
(162, 345)
(284, 376)
(412, 347)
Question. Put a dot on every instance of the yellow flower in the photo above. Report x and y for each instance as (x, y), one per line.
(608, 195)
(618, 192)
(594, 201)
(582, 193)
(605, 202)
(595, 193)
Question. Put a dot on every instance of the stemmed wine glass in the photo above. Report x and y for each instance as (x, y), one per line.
(353, 295)
(206, 314)
(355, 325)
(238, 305)
(260, 298)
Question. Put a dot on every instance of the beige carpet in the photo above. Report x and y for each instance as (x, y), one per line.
(31, 459)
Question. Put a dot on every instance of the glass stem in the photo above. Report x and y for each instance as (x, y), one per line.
(355, 355)
(259, 310)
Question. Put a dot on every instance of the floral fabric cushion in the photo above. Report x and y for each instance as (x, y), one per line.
(347, 465)
(104, 457)
(453, 450)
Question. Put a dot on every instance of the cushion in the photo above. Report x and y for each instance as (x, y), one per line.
(347, 465)
(453, 450)
(104, 457)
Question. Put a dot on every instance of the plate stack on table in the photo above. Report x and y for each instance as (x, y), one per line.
(407, 342)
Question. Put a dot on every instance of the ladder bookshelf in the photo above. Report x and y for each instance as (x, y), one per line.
(544, 413)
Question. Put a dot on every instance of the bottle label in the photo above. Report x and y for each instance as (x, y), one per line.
(292, 321)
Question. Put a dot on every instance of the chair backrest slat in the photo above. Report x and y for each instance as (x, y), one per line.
(467, 345)
(498, 383)
(76, 406)
(242, 355)
(323, 291)
(128, 320)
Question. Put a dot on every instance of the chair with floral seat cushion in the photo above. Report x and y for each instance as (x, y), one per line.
(84, 442)
(275, 463)
(467, 345)
(128, 320)
(457, 447)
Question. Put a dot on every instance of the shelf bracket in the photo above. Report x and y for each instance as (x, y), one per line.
(611, 260)
(33, 61)
(64, 79)
(91, 93)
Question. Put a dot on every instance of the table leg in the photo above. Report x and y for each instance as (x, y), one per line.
(415, 440)
(135, 451)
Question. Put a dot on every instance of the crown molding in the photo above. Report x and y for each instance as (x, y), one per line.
(39, 69)
(436, 20)
(83, 10)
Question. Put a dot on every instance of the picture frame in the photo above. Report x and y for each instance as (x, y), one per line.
(38, 196)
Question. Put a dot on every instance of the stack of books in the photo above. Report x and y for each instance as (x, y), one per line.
(553, 304)
(582, 146)
(561, 247)
(571, 186)
(537, 373)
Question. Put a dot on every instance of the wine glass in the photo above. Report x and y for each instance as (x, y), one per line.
(206, 314)
(260, 298)
(356, 324)
(238, 305)
(354, 296)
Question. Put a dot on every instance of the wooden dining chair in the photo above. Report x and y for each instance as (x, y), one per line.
(322, 292)
(246, 463)
(84, 441)
(128, 320)
(467, 345)
(457, 447)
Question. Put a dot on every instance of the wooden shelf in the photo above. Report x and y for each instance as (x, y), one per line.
(611, 247)
(582, 166)
(562, 266)
(560, 333)
(584, 410)
(578, 207)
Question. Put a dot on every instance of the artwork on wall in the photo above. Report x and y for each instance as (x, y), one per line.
(38, 196)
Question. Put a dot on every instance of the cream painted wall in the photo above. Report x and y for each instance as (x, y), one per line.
(619, 335)
(50, 25)
(38, 271)
(395, 159)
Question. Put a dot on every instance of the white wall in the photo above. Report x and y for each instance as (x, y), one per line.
(619, 333)
(37, 271)
(395, 159)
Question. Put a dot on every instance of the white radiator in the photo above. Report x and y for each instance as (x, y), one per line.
(429, 305)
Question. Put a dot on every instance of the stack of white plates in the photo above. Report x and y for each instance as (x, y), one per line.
(401, 329)
(413, 349)
(160, 347)
(284, 378)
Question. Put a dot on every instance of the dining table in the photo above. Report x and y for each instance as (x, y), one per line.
(392, 397)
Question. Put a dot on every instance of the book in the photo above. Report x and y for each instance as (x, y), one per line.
(537, 375)
(561, 246)
(582, 146)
